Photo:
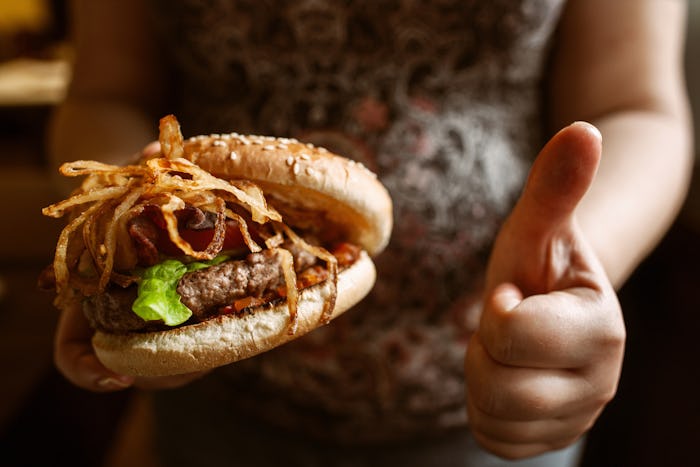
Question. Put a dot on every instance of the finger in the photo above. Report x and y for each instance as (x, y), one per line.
(552, 430)
(151, 149)
(524, 394)
(168, 382)
(562, 329)
(560, 176)
(515, 451)
(75, 358)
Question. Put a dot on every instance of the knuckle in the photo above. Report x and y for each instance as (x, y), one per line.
(614, 336)
(598, 398)
(607, 395)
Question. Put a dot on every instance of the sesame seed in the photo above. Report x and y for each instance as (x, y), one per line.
(290, 161)
(233, 156)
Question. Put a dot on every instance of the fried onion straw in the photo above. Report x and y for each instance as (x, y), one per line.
(170, 138)
(112, 195)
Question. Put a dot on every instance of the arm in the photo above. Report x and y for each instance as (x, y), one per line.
(117, 85)
(619, 65)
(108, 115)
(547, 355)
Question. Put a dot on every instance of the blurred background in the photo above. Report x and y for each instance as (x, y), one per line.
(655, 419)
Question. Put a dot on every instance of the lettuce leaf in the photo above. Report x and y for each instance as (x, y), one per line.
(158, 299)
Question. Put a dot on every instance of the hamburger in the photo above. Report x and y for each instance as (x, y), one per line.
(215, 249)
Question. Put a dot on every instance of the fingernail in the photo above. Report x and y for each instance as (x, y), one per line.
(590, 128)
(120, 382)
(508, 299)
(509, 302)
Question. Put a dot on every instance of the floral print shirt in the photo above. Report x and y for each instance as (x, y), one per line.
(443, 100)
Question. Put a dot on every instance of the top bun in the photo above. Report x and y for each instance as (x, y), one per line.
(343, 191)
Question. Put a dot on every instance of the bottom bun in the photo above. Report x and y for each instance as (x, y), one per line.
(229, 338)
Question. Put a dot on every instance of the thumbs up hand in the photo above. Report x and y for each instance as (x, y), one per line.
(547, 355)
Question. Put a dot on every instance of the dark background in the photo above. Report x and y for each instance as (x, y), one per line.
(653, 421)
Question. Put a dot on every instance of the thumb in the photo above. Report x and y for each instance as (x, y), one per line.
(505, 298)
(561, 174)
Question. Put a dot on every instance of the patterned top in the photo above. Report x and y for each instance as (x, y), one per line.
(442, 100)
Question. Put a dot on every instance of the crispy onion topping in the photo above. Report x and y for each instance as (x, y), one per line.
(95, 237)
(331, 265)
(290, 279)
(170, 138)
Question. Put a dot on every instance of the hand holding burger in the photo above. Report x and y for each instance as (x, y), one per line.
(212, 250)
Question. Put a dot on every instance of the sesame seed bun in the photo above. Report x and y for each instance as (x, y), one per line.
(344, 197)
(344, 192)
(229, 338)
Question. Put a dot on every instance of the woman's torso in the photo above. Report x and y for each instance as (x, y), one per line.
(442, 99)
